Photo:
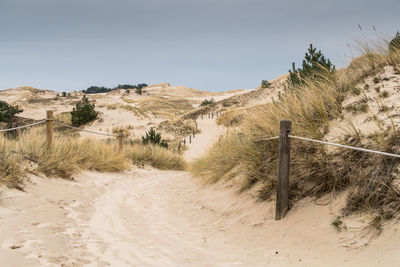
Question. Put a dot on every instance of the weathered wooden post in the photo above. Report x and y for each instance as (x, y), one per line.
(49, 128)
(190, 139)
(212, 115)
(282, 193)
(201, 116)
(120, 140)
(194, 132)
(179, 148)
(184, 142)
(208, 115)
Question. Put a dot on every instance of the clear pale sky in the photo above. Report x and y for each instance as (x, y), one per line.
(211, 45)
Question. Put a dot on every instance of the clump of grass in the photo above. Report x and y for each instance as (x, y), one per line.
(10, 171)
(384, 94)
(366, 86)
(357, 107)
(155, 156)
(355, 90)
(339, 224)
(376, 80)
(377, 89)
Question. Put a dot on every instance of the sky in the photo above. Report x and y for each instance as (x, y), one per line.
(212, 45)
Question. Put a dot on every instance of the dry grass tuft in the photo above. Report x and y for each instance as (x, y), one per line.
(155, 156)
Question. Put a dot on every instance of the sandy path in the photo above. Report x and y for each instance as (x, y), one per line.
(147, 217)
(210, 133)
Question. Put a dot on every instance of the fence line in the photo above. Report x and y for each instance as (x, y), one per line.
(345, 146)
(83, 130)
(22, 127)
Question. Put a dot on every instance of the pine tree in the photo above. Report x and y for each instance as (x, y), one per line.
(152, 137)
(395, 42)
(313, 64)
(83, 112)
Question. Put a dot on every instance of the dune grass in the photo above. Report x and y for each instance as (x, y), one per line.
(315, 169)
(70, 154)
(155, 156)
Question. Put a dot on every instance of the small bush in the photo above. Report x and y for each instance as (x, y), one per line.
(265, 84)
(153, 137)
(366, 86)
(207, 102)
(64, 94)
(376, 79)
(83, 112)
(384, 94)
(139, 91)
(8, 111)
(377, 89)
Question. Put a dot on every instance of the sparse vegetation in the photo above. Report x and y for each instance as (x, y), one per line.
(83, 112)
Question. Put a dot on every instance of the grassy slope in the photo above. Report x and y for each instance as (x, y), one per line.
(315, 169)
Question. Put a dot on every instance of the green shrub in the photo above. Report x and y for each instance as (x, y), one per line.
(265, 84)
(64, 94)
(138, 91)
(8, 111)
(83, 112)
(207, 102)
(153, 137)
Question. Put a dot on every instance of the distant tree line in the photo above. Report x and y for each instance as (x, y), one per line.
(102, 89)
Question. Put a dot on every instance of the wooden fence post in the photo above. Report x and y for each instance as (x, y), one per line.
(212, 115)
(179, 148)
(282, 193)
(194, 132)
(120, 140)
(201, 116)
(49, 128)
(184, 142)
(190, 139)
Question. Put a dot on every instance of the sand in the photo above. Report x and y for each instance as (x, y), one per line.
(148, 217)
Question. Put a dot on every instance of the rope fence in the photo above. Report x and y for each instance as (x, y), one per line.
(282, 194)
(23, 126)
(83, 130)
